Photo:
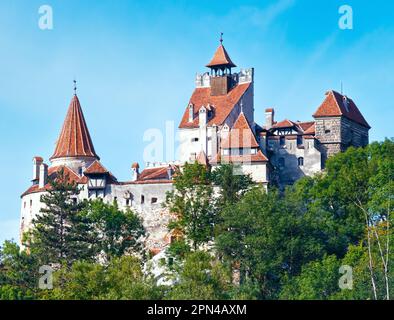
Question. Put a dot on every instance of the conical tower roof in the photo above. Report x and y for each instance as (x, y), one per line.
(74, 139)
(221, 59)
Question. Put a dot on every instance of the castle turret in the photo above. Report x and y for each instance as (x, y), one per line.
(74, 148)
(339, 124)
(220, 65)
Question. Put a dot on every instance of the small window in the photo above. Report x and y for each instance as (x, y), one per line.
(31, 203)
(24, 204)
(191, 113)
(327, 131)
(154, 200)
(127, 202)
(80, 171)
(300, 161)
(299, 140)
(142, 199)
(194, 139)
(282, 141)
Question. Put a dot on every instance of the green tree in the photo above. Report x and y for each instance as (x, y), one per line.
(192, 202)
(121, 279)
(18, 273)
(202, 277)
(231, 184)
(60, 234)
(317, 281)
(268, 236)
(115, 232)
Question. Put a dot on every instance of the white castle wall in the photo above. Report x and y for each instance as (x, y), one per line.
(155, 217)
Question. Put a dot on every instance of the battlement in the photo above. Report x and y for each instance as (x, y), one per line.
(149, 165)
(243, 76)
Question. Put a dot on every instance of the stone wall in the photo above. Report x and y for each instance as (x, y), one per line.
(285, 159)
(336, 134)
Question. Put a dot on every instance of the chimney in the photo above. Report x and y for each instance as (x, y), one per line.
(269, 118)
(135, 172)
(169, 172)
(43, 175)
(37, 161)
(202, 117)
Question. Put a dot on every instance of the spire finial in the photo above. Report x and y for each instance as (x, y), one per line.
(221, 37)
(242, 106)
(75, 87)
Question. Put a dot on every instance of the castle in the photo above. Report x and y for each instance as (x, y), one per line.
(217, 127)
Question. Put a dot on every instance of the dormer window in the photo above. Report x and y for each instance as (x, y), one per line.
(191, 112)
(97, 182)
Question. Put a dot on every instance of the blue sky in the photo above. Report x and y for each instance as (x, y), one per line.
(135, 63)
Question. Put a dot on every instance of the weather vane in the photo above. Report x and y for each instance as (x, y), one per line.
(221, 37)
(75, 87)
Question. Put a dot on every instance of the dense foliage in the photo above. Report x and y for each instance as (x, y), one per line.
(326, 237)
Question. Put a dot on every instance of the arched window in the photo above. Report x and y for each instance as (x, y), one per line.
(300, 161)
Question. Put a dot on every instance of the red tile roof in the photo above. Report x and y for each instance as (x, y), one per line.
(221, 58)
(74, 139)
(240, 135)
(153, 175)
(333, 105)
(305, 125)
(259, 157)
(311, 129)
(96, 167)
(72, 177)
(222, 105)
(202, 159)
(284, 124)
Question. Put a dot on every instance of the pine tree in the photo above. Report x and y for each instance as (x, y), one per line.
(61, 234)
